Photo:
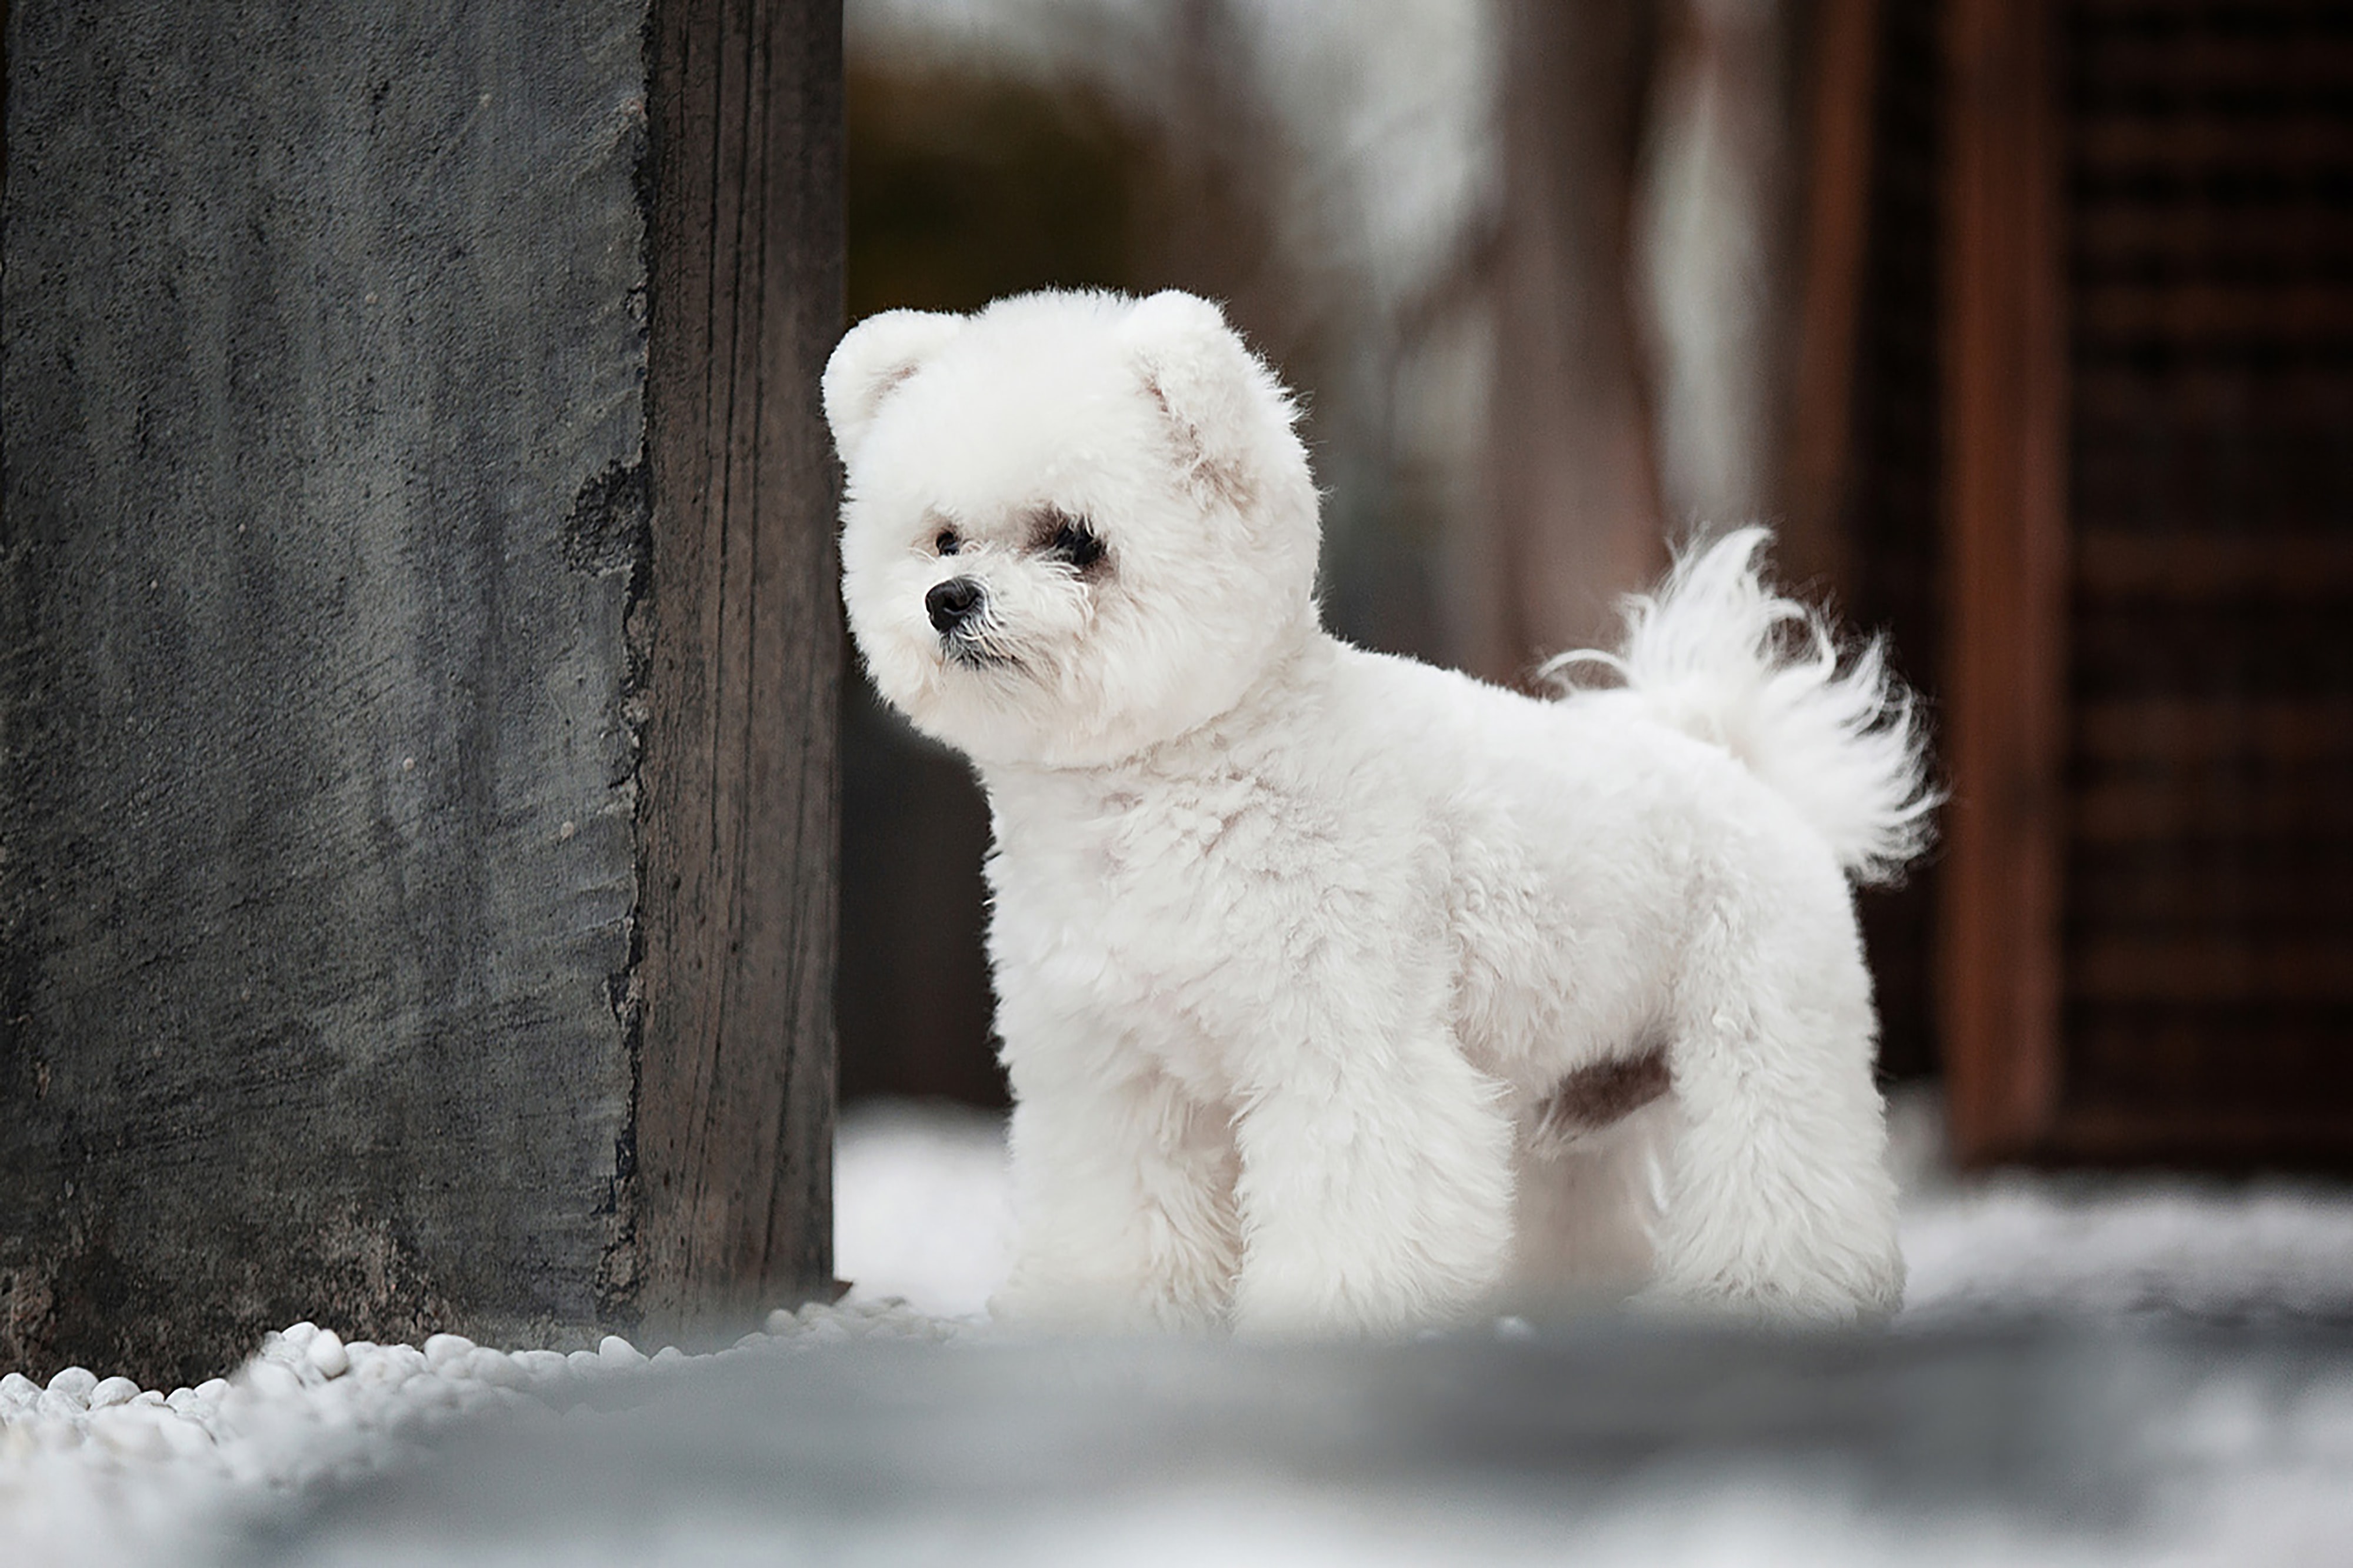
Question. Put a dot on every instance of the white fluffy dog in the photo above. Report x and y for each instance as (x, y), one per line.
(1340, 992)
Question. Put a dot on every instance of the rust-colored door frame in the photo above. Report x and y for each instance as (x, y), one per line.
(2005, 421)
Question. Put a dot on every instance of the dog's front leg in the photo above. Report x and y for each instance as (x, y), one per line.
(1123, 1192)
(1375, 1187)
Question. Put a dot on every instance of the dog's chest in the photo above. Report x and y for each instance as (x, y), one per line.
(1165, 916)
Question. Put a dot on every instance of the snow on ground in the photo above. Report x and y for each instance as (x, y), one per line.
(100, 1471)
(920, 1205)
(92, 1468)
(2260, 1253)
(923, 1213)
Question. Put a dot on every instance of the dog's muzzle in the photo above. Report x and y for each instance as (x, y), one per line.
(952, 604)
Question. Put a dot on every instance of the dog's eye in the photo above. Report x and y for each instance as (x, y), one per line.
(947, 543)
(1075, 542)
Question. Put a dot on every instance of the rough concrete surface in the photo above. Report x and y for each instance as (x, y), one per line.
(321, 396)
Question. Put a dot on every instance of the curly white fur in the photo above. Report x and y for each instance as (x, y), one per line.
(1717, 653)
(1299, 948)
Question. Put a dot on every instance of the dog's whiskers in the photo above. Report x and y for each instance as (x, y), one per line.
(978, 646)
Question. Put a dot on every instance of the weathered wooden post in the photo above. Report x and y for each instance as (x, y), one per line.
(416, 772)
(735, 1115)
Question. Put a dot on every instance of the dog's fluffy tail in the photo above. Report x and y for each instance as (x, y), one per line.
(1717, 653)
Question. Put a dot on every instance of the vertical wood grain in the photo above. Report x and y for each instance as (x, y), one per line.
(1844, 80)
(738, 814)
(2005, 409)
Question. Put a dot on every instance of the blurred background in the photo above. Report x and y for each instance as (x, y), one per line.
(1562, 281)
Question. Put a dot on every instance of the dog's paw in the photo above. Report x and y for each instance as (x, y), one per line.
(1854, 1300)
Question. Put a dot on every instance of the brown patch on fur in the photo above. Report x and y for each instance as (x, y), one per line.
(890, 381)
(883, 385)
(1592, 1098)
(1221, 481)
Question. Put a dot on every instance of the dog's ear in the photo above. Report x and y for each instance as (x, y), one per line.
(1214, 391)
(869, 362)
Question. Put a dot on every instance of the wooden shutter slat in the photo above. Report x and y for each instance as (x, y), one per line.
(2175, 311)
(2272, 566)
(2181, 729)
(2202, 972)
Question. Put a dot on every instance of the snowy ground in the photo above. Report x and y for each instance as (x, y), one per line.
(94, 1469)
(923, 1213)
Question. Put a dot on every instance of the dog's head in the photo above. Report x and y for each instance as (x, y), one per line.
(1076, 525)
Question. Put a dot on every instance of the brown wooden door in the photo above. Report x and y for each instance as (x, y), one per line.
(2147, 946)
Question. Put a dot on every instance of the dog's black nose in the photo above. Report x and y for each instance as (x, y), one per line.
(952, 602)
